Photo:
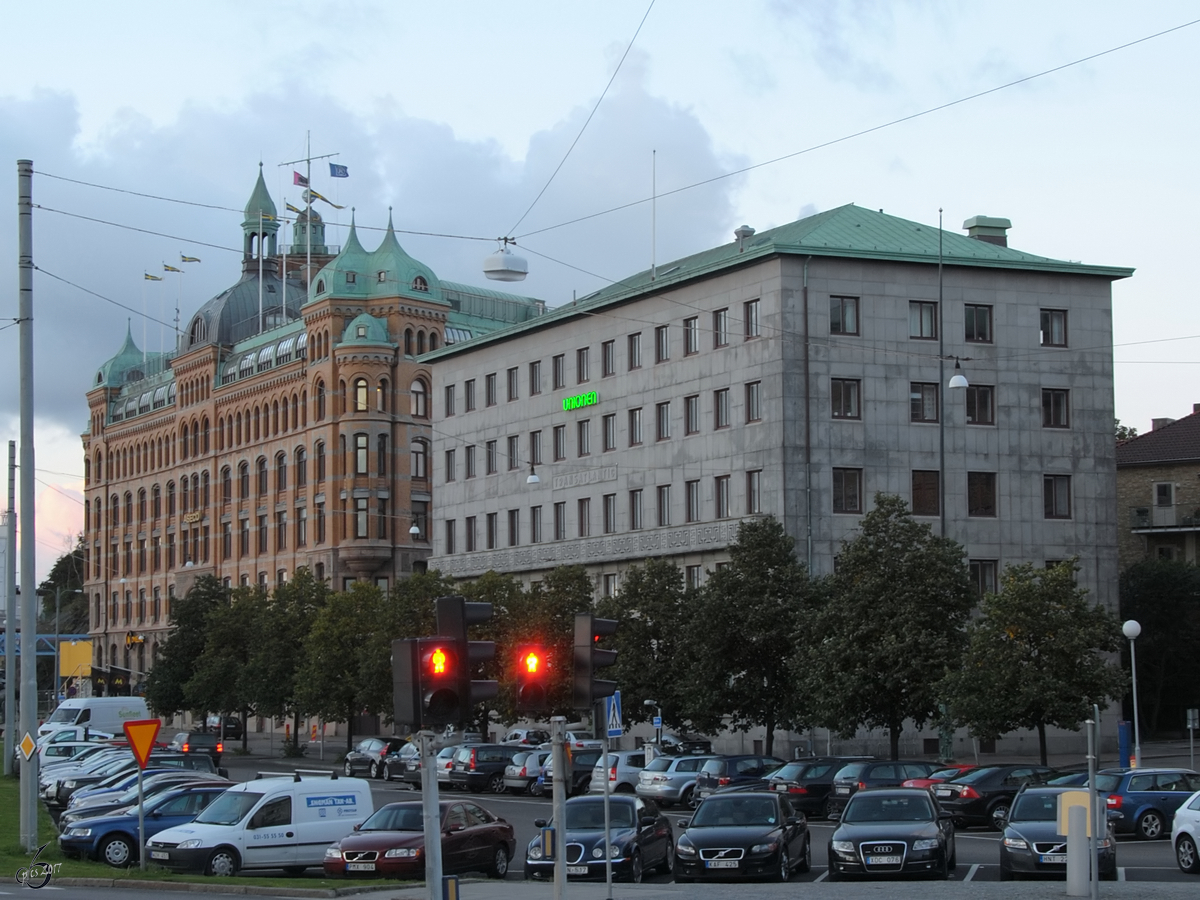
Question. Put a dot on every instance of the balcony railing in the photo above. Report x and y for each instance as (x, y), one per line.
(1173, 516)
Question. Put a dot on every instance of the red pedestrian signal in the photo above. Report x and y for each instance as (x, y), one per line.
(437, 662)
(532, 663)
(532, 676)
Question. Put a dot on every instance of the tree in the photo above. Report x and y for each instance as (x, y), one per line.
(1035, 656)
(167, 685)
(222, 680)
(892, 627)
(67, 578)
(1123, 432)
(740, 636)
(1164, 597)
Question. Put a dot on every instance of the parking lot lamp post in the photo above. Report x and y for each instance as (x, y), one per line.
(658, 728)
(58, 595)
(1131, 630)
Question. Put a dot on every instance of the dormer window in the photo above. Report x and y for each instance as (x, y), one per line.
(351, 277)
(420, 284)
(99, 378)
(382, 277)
(321, 286)
(361, 331)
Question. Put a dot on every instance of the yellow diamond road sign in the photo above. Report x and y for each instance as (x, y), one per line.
(28, 745)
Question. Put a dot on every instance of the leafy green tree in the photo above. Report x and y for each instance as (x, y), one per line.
(1035, 657)
(167, 685)
(893, 626)
(223, 680)
(1164, 597)
(740, 636)
(1123, 432)
(508, 628)
(66, 577)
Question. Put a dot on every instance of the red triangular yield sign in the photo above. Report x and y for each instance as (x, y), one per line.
(141, 734)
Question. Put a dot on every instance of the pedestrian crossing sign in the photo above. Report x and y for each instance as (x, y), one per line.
(612, 715)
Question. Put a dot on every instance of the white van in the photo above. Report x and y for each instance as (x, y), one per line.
(281, 822)
(98, 713)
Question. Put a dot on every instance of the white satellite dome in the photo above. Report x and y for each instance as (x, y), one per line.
(504, 265)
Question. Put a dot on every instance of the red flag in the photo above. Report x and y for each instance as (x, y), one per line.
(299, 179)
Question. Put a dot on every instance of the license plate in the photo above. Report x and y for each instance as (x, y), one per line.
(943, 792)
(721, 863)
(781, 787)
(842, 789)
(577, 870)
(883, 860)
(1059, 858)
(159, 854)
(360, 867)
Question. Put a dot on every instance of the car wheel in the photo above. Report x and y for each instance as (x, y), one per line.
(223, 863)
(689, 798)
(668, 863)
(1149, 825)
(496, 784)
(118, 851)
(387, 772)
(805, 863)
(785, 866)
(348, 769)
(537, 788)
(499, 863)
(999, 814)
(1186, 855)
(373, 770)
(624, 788)
(635, 868)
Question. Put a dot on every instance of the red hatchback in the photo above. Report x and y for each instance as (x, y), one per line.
(391, 843)
(949, 773)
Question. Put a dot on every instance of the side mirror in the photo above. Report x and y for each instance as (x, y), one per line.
(834, 815)
(358, 826)
(539, 823)
(648, 821)
(793, 821)
(683, 824)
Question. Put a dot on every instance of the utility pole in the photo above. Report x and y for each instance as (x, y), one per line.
(10, 613)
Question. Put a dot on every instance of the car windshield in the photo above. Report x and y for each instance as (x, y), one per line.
(446, 752)
(64, 715)
(884, 808)
(659, 764)
(1035, 808)
(736, 810)
(589, 816)
(713, 766)
(790, 771)
(228, 809)
(396, 818)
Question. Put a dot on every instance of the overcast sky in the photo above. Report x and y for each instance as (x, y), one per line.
(456, 115)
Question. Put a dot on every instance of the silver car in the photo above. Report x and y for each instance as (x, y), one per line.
(671, 779)
(623, 769)
(521, 774)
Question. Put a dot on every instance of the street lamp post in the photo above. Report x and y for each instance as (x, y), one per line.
(58, 595)
(657, 728)
(1131, 630)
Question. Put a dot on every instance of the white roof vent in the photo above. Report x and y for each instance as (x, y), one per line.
(741, 233)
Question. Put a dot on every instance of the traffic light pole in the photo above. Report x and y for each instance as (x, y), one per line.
(608, 823)
(432, 816)
(562, 777)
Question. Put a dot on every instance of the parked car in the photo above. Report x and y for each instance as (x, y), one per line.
(668, 780)
(154, 782)
(724, 771)
(582, 741)
(206, 742)
(855, 776)
(983, 796)
(481, 766)
(1032, 843)
(892, 831)
(582, 762)
(624, 766)
(126, 764)
(529, 737)
(391, 843)
(228, 727)
(395, 763)
(1146, 799)
(1185, 835)
(368, 755)
(807, 782)
(640, 838)
(523, 771)
(743, 834)
(948, 773)
(675, 745)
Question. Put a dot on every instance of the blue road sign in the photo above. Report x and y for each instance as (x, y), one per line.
(612, 715)
(658, 721)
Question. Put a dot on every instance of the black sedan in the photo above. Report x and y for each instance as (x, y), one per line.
(984, 795)
(641, 840)
(892, 831)
(752, 834)
(368, 755)
(1032, 844)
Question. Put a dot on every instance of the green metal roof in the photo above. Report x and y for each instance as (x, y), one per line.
(848, 232)
(261, 202)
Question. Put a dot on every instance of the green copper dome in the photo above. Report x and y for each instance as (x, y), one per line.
(366, 329)
(388, 271)
(126, 366)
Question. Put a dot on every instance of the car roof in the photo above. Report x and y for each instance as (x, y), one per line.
(596, 798)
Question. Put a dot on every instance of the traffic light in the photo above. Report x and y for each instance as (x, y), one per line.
(425, 681)
(454, 616)
(532, 675)
(588, 658)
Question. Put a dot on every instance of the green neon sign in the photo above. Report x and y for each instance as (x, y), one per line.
(591, 398)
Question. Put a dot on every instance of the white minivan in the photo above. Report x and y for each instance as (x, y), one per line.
(283, 822)
(98, 713)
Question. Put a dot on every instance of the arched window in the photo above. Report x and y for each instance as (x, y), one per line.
(204, 438)
(319, 392)
(420, 400)
(420, 460)
(281, 471)
(195, 492)
(114, 508)
(341, 398)
(257, 419)
(301, 467)
(262, 476)
(433, 340)
(360, 395)
(142, 505)
(408, 342)
(99, 514)
(183, 442)
(237, 429)
(275, 417)
(381, 395)
(128, 508)
(195, 439)
(420, 284)
(295, 411)
(155, 503)
(362, 454)
(244, 481)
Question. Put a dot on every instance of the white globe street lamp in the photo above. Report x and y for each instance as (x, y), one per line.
(1131, 629)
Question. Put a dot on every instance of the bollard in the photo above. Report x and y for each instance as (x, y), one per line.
(1077, 852)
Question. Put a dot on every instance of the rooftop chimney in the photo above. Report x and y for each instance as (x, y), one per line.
(742, 233)
(1156, 424)
(1196, 407)
(988, 229)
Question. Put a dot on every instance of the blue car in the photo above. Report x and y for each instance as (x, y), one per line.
(1146, 799)
(113, 839)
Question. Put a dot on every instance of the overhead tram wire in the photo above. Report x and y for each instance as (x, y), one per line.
(865, 131)
(136, 312)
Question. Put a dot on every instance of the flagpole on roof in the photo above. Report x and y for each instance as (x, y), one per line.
(308, 214)
(261, 326)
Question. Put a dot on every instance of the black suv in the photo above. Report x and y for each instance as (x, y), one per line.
(855, 776)
(983, 796)
(730, 771)
(368, 755)
(207, 742)
(479, 766)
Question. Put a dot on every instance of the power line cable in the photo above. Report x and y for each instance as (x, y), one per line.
(130, 309)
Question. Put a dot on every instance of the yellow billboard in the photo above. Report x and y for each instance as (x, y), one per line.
(75, 659)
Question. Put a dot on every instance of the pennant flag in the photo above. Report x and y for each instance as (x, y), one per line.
(336, 171)
(299, 179)
(294, 209)
(266, 216)
(311, 195)
(183, 258)
(167, 268)
(150, 277)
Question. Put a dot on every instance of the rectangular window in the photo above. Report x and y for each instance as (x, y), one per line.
(843, 395)
(983, 576)
(691, 501)
(320, 523)
(1054, 327)
(635, 510)
(663, 493)
(635, 427)
(560, 521)
(583, 437)
(535, 524)
(448, 528)
(535, 377)
(720, 324)
(662, 421)
(450, 465)
(691, 336)
(981, 405)
(692, 577)
(581, 365)
(754, 491)
(721, 408)
(691, 414)
(1056, 491)
(754, 401)
(491, 530)
(280, 531)
(262, 534)
(514, 527)
(471, 534)
(535, 448)
(489, 389)
(361, 454)
(608, 585)
(662, 344)
(609, 426)
(925, 494)
(514, 390)
(469, 394)
(608, 358)
(560, 442)
(244, 537)
(492, 457)
(558, 368)
(843, 315)
(585, 516)
(514, 460)
(978, 324)
(362, 518)
(847, 490)
(721, 496)
(635, 351)
(470, 451)
(750, 325)
(981, 494)
(381, 454)
(923, 402)
(301, 526)
(449, 400)
(1054, 408)
(1164, 494)
(610, 513)
(922, 320)
(381, 520)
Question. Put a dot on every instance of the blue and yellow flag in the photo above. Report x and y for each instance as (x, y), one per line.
(150, 277)
(310, 193)
(183, 258)
(294, 209)
(167, 268)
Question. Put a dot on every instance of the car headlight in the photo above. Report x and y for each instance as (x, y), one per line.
(926, 844)
(79, 832)
(685, 850)
(334, 852)
(768, 847)
(535, 851)
(68, 784)
(844, 849)
(190, 844)
(403, 853)
(1013, 843)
